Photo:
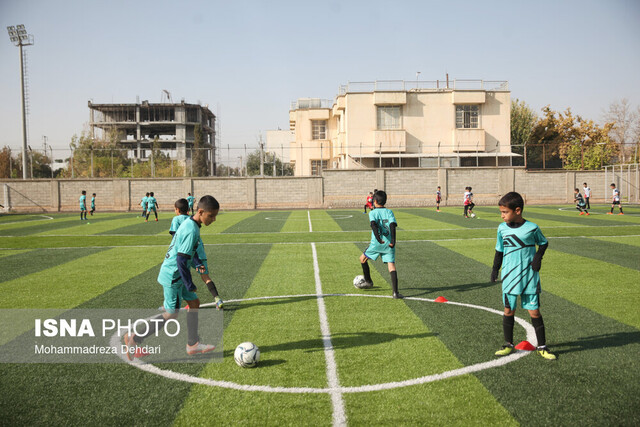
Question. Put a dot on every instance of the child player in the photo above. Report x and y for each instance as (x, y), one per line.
(181, 207)
(369, 203)
(516, 254)
(438, 199)
(190, 200)
(175, 279)
(93, 204)
(615, 201)
(152, 204)
(587, 195)
(143, 204)
(83, 205)
(580, 203)
(468, 202)
(383, 241)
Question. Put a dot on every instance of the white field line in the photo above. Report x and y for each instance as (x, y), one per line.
(46, 218)
(299, 243)
(310, 227)
(339, 415)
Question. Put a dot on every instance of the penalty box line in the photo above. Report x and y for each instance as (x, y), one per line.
(339, 414)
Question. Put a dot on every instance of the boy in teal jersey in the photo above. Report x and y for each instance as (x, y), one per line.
(181, 207)
(383, 241)
(175, 278)
(190, 200)
(143, 204)
(151, 206)
(93, 204)
(83, 205)
(516, 254)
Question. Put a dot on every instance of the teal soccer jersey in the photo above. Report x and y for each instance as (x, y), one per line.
(143, 202)
(383, 218)
(83, 200)
(190, 200)
(151, 204)
(93, 202)
(175, 225)
(185, 241)
(519, 246)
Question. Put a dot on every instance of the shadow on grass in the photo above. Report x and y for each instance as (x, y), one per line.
(242, 305)
(465, 287)
(595, 342)
(339, 341)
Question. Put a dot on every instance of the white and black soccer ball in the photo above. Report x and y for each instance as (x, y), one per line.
(360, 283)
(247, 355)
(473, 215)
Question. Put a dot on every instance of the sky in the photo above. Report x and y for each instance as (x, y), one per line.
(249, 59)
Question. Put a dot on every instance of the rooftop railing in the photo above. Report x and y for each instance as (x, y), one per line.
(423, 85)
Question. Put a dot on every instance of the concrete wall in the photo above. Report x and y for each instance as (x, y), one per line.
(334, 189)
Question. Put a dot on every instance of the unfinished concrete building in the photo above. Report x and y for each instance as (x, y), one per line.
(139, 124)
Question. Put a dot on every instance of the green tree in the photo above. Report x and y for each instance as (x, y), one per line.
(199, 155)
(253, 165)
(523, 121)
(7, 163)
(98, 157)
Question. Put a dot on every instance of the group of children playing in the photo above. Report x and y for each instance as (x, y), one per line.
(83, 205)
(150, 204)
(583, 205)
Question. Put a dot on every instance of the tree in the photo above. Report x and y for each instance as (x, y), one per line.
(253, 165)
(199, 155)
(7, 163)
(523, 121)
(624, 120)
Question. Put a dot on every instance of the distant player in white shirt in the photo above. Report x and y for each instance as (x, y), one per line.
(616, 200)
(587, 195)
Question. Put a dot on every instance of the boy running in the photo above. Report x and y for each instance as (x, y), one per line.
(438, 199)
(468, 202)
(190, 200)
(587, 195)
(580, 203)
(616, 200)
(143, 204)
(383, 241)
(181, 207)
(369, 203)
(151, 205)
(516, 246)
(83, 205)
(93, 204)
(175, 279)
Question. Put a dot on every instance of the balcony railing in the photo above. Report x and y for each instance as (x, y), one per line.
(420, 85)
(303, 103)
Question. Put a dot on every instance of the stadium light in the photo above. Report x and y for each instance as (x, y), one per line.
(19, 37)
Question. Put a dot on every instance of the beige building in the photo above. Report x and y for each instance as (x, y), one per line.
(403, 124)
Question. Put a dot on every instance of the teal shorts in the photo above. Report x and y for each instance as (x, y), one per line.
(527, 301)
(83, 208)
(173, 297)
(151, 209)
(387, 256)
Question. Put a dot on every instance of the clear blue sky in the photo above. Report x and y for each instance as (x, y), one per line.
(249, 59)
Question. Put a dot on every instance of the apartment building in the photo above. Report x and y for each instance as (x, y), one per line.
(404, 124)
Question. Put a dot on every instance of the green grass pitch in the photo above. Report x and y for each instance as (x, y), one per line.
(387, 355)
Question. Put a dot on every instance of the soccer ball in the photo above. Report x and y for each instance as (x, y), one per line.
(360, 283)
(247, 355)
(473, 215)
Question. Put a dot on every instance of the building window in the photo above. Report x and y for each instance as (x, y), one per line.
(467, 116)
(317, 165)
(389, 117)
(318, 129)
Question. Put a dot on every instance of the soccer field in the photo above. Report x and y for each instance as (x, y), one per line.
(333, 354)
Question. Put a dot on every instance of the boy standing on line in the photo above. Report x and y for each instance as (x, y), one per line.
(516, 254)
(151, 205)
(587, 195)
(181, 209)
(438, 199)
(83, 205)
(176, 282)
(93, 203)
(190, 200)
(616, 200)
(580, 203)
(383, 241)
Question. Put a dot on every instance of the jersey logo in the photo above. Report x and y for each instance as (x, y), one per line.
(512, 241)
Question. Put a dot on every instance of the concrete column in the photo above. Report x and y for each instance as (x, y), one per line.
(380, 179)
(7, 206)
(251, 193)
(315, 192)
(187, 187)
(506, 181)
(55, 195)
(122, 197)
(443, 183)
(571, 185)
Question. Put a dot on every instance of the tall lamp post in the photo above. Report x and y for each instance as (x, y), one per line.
(19, 37)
